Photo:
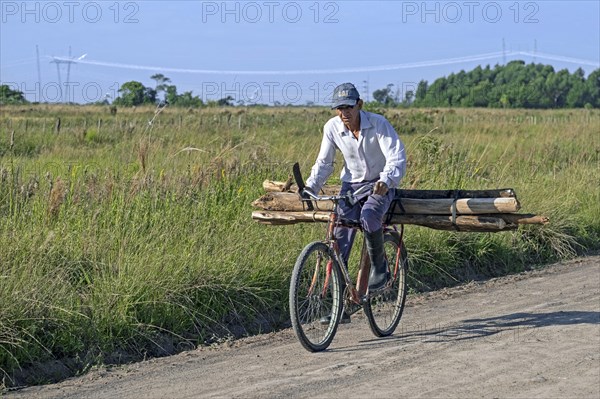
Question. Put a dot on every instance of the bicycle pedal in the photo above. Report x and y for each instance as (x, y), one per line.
(379, 291)
(353, 308)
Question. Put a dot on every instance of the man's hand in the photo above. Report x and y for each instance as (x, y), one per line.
(380, 188)
(305, 193)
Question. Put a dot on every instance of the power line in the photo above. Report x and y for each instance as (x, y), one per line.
(376, 68)
(561, 58)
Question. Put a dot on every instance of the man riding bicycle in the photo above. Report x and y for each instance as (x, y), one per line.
(373, 153)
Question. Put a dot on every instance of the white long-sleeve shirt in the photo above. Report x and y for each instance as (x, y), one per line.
(377, 154)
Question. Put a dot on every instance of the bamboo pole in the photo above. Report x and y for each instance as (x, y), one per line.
(463, 206)
(282, 201)
(279, 186)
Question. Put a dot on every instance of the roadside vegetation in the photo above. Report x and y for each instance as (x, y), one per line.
(127, 233)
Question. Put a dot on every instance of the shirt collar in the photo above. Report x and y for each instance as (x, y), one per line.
(365, 123)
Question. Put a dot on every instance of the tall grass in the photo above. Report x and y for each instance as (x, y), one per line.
(121, 239)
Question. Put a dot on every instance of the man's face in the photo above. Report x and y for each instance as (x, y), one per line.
(349, 114)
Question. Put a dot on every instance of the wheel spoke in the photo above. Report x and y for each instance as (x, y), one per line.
(385, 310)
(314, 294)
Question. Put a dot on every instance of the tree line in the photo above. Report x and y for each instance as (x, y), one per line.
(514, 85)
(10, 96)
(134, 93)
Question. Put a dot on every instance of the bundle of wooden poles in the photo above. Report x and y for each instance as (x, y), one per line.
(455, 210)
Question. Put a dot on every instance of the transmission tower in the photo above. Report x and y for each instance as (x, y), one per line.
(37, 53)
(65, 60)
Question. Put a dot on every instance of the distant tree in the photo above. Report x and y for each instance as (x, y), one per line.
(161, 80)
(557, 87)
(225, 102)
(409, 97)
(161, 83)
(188, 100)
(480, 94)
(149, 95)
(437, 94)
(421, 91)
(578, 94)
(171, 94)
(592, 85)
(384, 96)
(135, 93)
(10, 96)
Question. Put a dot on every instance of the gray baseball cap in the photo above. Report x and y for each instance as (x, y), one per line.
(344, 94)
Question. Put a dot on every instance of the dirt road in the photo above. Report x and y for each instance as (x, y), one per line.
(531, 335)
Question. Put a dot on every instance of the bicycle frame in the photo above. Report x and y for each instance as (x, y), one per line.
(319, 293)
(358, 294)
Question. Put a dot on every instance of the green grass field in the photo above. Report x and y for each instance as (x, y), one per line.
(121, 239)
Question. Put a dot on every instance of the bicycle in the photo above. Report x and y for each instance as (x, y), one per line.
(321, 284)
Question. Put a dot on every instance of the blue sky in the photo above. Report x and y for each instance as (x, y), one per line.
(285, 51)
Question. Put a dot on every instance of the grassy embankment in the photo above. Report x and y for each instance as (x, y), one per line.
(120, 238)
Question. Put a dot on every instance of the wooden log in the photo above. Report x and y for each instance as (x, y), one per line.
(288, 184)
(285, 218)
(511, 220)
(271, 186)
(525, 218)
(282, 201)
(469, 223)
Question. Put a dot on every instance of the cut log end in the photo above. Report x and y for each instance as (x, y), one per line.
(288, 184)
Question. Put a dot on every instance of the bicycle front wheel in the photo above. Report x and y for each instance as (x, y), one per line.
(316, 297)
(385, 310)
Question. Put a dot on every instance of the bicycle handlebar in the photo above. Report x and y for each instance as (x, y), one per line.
(352, 198)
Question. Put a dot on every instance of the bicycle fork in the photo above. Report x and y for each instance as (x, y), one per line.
(398, 251)
(315, 278)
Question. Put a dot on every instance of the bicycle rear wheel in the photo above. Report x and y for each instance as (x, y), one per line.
(385, 310)
(315, 293)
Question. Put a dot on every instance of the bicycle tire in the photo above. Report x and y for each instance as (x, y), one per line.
(312, 297)
(385, 310)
